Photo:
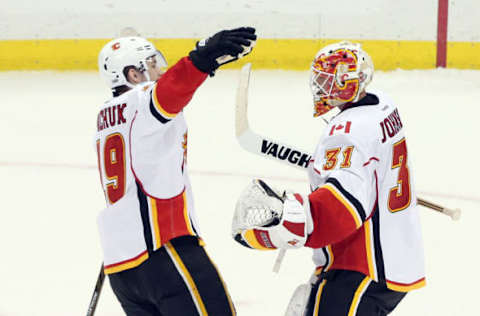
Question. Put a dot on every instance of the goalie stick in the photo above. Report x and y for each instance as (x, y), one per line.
(255, 143)
(96, 293)
(258, 144)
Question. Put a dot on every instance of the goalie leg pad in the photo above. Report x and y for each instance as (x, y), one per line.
(298, 303)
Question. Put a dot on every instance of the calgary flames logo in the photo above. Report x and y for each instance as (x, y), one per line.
(116, 46)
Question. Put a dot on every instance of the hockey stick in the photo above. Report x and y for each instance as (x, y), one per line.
(255, 143)
(260, 145)
(96, 293)
(453, 213)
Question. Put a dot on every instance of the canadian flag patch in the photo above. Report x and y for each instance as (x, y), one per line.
(337, 128)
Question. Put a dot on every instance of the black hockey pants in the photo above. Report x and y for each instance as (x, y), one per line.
(177, 280)
(349, 293)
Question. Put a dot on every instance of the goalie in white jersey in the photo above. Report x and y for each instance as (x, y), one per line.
(153, 254)
(361, 218)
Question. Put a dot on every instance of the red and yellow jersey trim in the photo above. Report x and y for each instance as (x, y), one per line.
(332, 204)
(351, 209)
(402, 287)
(169, 218)
(127, 264)
(158, 105)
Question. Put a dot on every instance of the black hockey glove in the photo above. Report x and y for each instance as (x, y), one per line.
(223, 47)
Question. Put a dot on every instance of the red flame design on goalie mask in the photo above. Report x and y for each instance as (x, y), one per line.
(331, 80)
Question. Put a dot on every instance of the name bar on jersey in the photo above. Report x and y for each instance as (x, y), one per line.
(111, 116)
(391, 125)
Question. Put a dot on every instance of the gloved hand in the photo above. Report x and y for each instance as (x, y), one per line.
(223, 47)
(264, 219)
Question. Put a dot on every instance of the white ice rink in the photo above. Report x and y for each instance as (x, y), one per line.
(50, 193)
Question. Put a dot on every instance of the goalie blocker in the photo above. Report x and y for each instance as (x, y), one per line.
(265, 219)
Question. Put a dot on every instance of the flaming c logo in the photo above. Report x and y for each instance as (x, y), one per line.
(116, 46)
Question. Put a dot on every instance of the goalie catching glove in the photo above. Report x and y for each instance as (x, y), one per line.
(223, 47)
(266, 219)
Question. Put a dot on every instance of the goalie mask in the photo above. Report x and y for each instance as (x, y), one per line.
(339, 74)
(122, 52)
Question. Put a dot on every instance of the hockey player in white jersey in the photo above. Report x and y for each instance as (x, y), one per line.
(361, 217)
(153, 253)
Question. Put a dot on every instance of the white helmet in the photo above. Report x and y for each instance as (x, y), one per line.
(339, 74)
(127, 51)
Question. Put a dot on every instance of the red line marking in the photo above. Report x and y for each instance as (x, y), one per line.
(442, 31)
(219, 174)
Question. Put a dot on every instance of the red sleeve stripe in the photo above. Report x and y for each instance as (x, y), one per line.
(351, 209)
(159, 107)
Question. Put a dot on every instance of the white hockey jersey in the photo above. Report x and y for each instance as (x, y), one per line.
(364, 201)
(141, 142)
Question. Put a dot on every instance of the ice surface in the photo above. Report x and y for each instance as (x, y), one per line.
(50, 192)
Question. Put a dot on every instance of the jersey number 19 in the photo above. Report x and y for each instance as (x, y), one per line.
(114, 166)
